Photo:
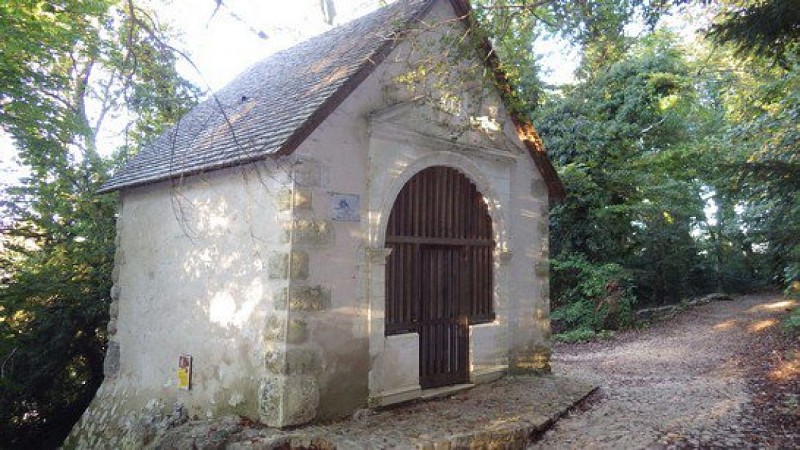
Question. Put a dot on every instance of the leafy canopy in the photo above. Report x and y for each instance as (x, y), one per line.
(69, 69)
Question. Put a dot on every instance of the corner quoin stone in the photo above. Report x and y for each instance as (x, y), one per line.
(538, 188)
(298, 199)
(309, 298)
(275, 328)
(294, 332)
(534, 359)
(282, 265)
(297, 332)
(293, 361)
(280, 298)
(111, 361)
(288, 400)
(303, 361)
(309, 232)
(542, 267)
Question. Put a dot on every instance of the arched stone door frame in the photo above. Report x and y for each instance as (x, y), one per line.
(384, 384)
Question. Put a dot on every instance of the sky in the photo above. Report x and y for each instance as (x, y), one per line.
(224, 41)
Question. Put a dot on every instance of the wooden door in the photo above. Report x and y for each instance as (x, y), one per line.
(439, 275)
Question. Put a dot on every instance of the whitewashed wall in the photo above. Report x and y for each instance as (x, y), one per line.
(195, 274)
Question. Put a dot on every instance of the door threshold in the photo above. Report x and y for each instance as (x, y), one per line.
(444, 391)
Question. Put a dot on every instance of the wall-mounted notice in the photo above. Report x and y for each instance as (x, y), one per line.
(345, 207)
(184, 372)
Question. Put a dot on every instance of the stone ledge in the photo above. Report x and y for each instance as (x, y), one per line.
(520, 410)
(395, 396)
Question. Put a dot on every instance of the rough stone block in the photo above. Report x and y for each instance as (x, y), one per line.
(275, 329)
(288, 401)
(302, 400)
(295, 361)
(113, 309)
(302, 361)
(296, 332)
(111, 361)
(544, 227)
(275, 361)
(278, 266)
(280, 298)
(309, 232)
(270, 399)
(542, 267)
(299, 265)
(112, 327)
(534, 359)
(115, 292)
(115, 271)
(545, 290)
(310, 298)
(283, 200)
(297, 199)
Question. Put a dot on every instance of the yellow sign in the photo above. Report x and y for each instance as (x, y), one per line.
(184, 372)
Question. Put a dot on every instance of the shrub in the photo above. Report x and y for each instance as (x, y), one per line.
(591, 297)
(792, 323)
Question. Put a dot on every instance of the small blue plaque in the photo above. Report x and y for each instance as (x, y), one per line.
(345, 207)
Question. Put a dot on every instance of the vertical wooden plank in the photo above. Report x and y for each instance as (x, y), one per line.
(446, 201)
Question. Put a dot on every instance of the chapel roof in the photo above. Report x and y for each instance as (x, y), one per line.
(274, 105)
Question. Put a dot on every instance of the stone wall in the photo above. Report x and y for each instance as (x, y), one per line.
(197, 272)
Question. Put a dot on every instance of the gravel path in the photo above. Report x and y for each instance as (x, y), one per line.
(685, 382)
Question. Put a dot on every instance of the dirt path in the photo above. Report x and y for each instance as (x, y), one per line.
(692, 381)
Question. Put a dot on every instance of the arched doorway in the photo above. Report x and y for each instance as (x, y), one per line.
(439, 275)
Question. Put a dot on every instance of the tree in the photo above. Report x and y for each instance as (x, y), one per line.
(763, 126)
(768, 28)
(619, 139)
(66, 68)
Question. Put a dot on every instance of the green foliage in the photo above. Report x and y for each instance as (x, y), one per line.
(619, 140)
(595, 26)
(590, 296)
(648, 142)
(771, 173)
(792, 323)
(768, 28)
(60, 59)
(680, 163)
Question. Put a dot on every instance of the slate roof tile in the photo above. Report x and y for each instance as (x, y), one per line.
(256, 114)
